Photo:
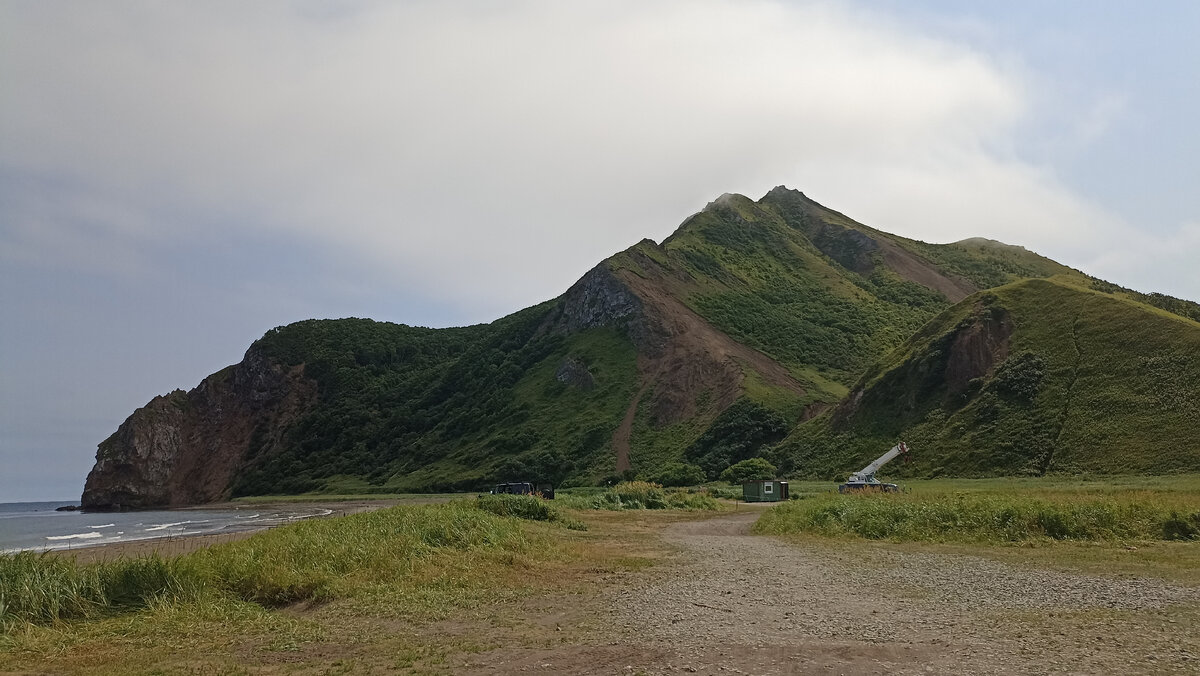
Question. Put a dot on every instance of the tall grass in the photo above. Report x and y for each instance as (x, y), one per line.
(984, 518)
(644, 495)
(311, 560)
(528, 507)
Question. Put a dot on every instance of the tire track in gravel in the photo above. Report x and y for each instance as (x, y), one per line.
(732, 602)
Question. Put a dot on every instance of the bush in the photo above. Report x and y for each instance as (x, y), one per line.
(749, 470)
(645, 495)
(649, 495)
(738, 433)
(528, 507)
(1020, 376)
(1179, 528)
(692, 501)
(681, 474)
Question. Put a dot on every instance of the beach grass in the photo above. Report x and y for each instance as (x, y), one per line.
(402, 549)
(999, 511)
(641, 495)
(345, 497)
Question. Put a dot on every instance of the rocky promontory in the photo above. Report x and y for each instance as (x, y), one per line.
(185, 448)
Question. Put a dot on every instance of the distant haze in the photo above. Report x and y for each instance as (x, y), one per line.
(177, 178)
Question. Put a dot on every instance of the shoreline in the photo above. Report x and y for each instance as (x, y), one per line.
(176, 545)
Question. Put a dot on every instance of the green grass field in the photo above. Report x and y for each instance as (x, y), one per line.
(997, 511)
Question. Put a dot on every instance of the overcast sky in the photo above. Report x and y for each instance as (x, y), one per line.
(177, 178)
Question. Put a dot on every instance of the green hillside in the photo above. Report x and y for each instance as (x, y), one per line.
(754, 318)
(403, 408)
(1034, 377)
(813, 291)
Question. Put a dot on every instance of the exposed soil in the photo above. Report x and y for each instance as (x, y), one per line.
(728, 602)
(620, 439)
(690, 357)
(914, 269)
(976, 349)
(736, 603)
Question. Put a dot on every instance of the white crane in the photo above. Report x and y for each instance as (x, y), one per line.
(864, 479)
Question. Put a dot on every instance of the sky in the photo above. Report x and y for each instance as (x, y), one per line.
(178, 178)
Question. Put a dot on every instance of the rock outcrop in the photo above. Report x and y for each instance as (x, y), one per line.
(185, 448)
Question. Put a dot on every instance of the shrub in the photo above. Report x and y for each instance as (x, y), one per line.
(1179, 528)
(749, 470)
(650, 495)
(1021, 376)
(645, 495)
(681, 474)
(736, 434)
(692, 501)
(528, 507)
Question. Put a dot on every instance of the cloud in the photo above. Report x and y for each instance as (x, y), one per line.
(490, 154)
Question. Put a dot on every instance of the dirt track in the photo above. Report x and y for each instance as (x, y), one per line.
(731, 602)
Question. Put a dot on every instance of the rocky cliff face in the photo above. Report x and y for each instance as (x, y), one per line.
(601, 299)
(186, 447)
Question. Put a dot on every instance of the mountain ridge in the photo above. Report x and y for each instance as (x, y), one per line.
(780, 302)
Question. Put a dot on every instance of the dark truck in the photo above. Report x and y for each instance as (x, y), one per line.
(524, 488)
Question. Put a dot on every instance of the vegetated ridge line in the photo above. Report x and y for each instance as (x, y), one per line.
(1062, 416)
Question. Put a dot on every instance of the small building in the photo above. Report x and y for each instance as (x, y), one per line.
(764, 490)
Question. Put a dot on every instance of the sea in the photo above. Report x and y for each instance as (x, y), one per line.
(38, 526)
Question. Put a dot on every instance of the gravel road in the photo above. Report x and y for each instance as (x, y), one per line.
(730, 602)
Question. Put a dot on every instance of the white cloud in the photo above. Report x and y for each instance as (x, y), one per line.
(497, 151)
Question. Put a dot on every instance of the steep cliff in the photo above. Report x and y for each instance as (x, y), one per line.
(185, 448)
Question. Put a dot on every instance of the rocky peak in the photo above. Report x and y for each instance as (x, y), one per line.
(600, 299)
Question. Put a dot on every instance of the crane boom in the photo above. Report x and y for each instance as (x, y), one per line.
(867, 474)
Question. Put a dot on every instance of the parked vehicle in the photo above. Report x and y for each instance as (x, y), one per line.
(864, 479)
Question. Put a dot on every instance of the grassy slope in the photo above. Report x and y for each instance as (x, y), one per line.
(412, 409)
(1116, 394)
(760, 279)
(402, 408)
(759, 276)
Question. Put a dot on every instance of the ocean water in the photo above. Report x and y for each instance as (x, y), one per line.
(37, 526)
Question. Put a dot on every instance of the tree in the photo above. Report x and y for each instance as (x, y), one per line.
(737, 434)
(749, 470)
(680, 474)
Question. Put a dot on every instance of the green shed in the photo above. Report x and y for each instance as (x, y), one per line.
(765, 490)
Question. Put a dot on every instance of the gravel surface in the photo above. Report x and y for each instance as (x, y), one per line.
(731, 602)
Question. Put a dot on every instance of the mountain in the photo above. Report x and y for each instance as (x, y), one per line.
(1033, 377)
(754, 321)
